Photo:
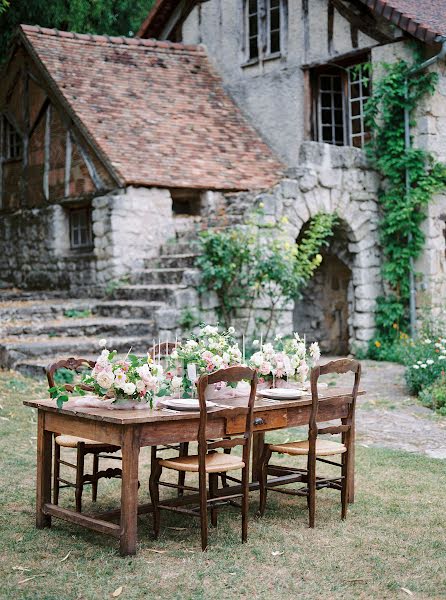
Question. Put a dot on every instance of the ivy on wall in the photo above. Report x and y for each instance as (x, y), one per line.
(402, 211)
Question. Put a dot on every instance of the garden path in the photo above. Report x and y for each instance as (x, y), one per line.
(388, 416)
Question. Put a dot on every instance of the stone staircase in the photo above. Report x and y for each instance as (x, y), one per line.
(37, 328)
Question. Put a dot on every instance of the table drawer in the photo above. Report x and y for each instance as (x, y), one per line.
(268, 419)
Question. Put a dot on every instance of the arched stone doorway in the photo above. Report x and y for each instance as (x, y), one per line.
(324, 311)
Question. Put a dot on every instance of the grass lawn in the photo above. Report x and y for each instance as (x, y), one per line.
(393, 544)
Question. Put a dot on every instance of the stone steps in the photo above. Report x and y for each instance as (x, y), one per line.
(127, 309)
(26, 310)
(37, 328)
(173, 261)
(150, 293)
(179, 247)
(99, 327)
(16, 352)
(158, 276)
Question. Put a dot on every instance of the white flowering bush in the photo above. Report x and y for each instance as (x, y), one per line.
(132, 378)
(209, 351)
(288, 358)
(425, 361)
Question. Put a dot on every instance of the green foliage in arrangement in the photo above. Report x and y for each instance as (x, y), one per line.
(257, 261)
(402, 213)
(113, 17)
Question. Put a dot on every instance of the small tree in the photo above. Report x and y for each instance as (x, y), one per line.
(257, 261)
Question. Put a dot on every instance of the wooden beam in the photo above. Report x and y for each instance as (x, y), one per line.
(39, 116)
(2, 135)
(80, 519)
(47, 152)
(96, 178)
(25, 158)
(68, 154)
(362, 19)
(330, 26)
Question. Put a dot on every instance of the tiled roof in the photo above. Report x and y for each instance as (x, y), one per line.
(423, 19)
(156, 111)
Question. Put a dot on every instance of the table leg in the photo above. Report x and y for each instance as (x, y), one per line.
(351, 466)
(258, 442)
(129, 490)
(44, 458)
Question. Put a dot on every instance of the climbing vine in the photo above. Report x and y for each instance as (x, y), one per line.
(403, 211)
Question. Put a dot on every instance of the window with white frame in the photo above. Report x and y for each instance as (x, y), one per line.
(265, 22)
(12, 141)
(80, 228)
(340, 95)
(358, 91)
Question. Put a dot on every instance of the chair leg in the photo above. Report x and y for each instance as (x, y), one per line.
(245, 501)
(80, 475)
(213, 492)
(224, 481)
(203, 511)
(311, 489)
(56, 474)
(266, 455)
(94, 485)
(345, 482)
(155, 475)
(184, 451)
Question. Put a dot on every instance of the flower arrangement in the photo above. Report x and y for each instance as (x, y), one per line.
(289, 358)
(133, 378)
(208, 351)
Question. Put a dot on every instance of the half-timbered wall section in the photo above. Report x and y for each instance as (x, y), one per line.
(47, 173)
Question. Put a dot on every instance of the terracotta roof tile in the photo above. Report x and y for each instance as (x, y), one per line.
(156, 110)
(424, 19)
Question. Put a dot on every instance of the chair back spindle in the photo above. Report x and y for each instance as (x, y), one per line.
(229, 375)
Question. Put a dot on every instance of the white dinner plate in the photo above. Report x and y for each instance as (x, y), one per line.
(185, 404)
(282, 394)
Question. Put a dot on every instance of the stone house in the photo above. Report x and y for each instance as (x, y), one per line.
(111, 146)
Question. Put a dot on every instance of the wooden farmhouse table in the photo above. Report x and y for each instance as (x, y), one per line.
(133, 429)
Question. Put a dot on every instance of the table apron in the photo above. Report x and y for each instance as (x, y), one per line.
(155, 433)
(99, 431)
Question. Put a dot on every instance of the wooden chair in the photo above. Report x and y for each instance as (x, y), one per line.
(316, 449)
(209, 463)
(83, 446)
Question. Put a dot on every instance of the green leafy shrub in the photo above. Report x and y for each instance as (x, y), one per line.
(425, 359)
(434, 396)
(245, 263)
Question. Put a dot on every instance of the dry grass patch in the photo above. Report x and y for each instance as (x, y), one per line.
(392, 545)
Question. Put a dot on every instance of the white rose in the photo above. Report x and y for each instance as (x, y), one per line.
(174, 354)
(129, 388)
(102, 343)
(105, 379)
(231, 330)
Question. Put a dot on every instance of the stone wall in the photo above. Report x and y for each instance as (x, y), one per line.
(34, 255)
(329, 179)
(128, 226)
